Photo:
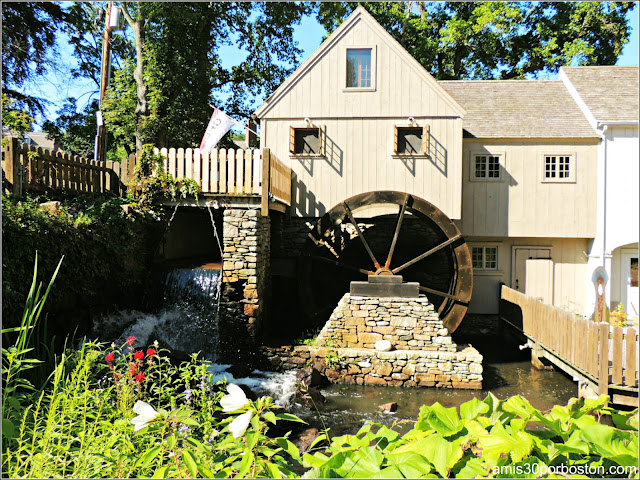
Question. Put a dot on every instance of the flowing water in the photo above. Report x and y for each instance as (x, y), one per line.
(188, 322)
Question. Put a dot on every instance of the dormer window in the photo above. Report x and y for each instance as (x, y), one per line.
(358, 68)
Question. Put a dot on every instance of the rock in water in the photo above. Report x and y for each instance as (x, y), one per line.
(311, 377)
(389, 407)
(304, 439)
(383, 345)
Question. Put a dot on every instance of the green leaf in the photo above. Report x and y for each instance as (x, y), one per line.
(411, 464)
(246, 463)
(442, 453)
(161, 472)
(389, 472)
(270, 417)
(520, 406)
(444, 420)
(501, 444)
(288, 447)
(150, 455)
(8, 429)
(190, 460)
(289, 417)
(616, 445)
(575, 444)
(473, 468)
(472, 409)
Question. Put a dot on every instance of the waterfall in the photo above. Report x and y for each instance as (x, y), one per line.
(187, 321)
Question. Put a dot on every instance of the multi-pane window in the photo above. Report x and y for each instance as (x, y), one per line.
(359, 68)
(486, 167)
(558, 168)
(484, 258)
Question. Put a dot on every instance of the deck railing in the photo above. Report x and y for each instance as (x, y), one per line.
(219, 171)
(603, 352)
(31, 168)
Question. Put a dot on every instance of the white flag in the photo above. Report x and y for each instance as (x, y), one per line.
(219, 124)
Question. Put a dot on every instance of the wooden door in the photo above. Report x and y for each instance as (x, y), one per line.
(519, 258)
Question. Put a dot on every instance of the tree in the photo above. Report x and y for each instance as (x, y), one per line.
(484, 40)
(177, 71)
(15, 120)
(28, 45)
(74, 131)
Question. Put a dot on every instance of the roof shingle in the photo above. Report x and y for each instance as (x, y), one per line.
(518, 109)
(609, 92)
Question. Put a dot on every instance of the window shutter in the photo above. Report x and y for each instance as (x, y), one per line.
(292, 140)
(425, 140)
(320, 141)
(395, 139)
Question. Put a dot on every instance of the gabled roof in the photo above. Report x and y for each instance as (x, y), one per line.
(518, 109)
(610, 93)
(358, 15)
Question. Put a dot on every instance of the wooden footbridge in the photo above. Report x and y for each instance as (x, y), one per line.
(243, 177)
(603, 358)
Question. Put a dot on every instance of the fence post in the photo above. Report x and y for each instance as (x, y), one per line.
(266, 180)
(603, 367)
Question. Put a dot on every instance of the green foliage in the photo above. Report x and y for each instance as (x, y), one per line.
(332, 359)
(151, 183)
(107, 251)
(74, 131)
(483, 40)
(15, 120)
(484, 437)
(29, 32)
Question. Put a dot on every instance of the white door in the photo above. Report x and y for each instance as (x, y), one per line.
(519, 257)
(629, 282)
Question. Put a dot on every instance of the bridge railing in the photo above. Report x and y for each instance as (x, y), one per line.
(606, 353)
(222, 171)
(31, 168)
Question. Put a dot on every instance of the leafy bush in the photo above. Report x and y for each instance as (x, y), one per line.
(482, 438)
(107, 251)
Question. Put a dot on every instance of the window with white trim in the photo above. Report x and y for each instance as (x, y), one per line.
(359, 67)
(558, 168)
(485, 167)
(484, 257)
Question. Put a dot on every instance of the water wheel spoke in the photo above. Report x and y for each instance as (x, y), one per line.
(442, 294)
(341, 265)
(361, 235)
(397, 232)
(427, 253)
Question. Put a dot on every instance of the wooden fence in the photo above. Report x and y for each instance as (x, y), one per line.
(226, 172)
(28, 167)
(604, 353)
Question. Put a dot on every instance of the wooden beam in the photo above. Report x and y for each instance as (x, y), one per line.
(266, 187)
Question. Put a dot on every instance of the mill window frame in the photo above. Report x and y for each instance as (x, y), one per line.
(484, 258)
(402, 140)
(486, 167)
(558, 168)
(365, 74)
(301, 141)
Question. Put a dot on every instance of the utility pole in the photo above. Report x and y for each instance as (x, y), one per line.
(100, 147)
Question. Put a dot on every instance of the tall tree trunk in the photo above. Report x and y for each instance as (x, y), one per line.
(142, 105)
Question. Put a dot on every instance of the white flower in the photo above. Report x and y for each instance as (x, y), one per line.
(235, 400)
(240, 424)
(146, 414)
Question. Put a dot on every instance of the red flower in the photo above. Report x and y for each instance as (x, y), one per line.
(110, 356)
(116, 376)
(132, 368)
(139, 377)
(150, 352)
(130, 340)
(139, 355)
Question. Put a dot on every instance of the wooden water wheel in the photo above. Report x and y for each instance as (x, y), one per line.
(387, 233)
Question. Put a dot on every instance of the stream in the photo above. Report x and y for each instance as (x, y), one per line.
(188, 322)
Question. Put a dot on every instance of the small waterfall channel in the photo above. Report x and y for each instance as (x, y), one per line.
(188, 322)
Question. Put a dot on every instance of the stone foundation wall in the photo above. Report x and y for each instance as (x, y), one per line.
(407, 323)
(401, 368)
(245, 265)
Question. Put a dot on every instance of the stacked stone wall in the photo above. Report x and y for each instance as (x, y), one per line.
(401, 368)
(245, 265)
(408, 324)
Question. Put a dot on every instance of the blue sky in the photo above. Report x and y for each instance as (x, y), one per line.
(309, 34)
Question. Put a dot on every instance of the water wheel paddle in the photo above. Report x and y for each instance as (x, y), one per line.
(418, 242)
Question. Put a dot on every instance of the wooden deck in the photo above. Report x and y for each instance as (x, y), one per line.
(601, 356)
(239, 178)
